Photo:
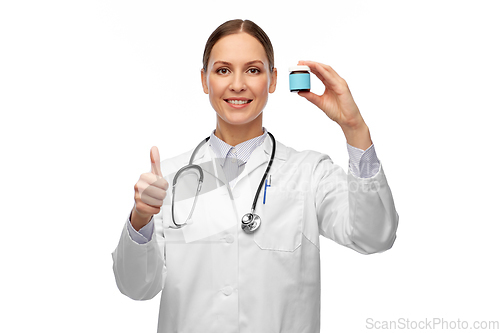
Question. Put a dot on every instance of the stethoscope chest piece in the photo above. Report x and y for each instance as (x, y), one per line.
(250, 222)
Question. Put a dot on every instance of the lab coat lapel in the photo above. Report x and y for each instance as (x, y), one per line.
(262, 155)
(257, 158)
(207, 160)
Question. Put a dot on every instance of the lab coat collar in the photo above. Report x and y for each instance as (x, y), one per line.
(222, 149)
(259, 156)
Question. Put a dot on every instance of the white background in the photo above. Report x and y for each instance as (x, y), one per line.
(87, 87)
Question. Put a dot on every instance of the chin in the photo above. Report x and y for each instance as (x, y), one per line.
(237, 119)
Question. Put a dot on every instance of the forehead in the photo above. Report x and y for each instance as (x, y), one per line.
(238, 48)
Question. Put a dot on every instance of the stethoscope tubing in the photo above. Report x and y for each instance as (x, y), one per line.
(265, 173)
(200, 180)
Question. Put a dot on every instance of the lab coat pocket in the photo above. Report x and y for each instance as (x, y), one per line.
(282, 216)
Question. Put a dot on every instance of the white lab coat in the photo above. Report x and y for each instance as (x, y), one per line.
(216, 278)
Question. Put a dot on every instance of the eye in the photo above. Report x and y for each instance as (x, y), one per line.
(254, 70)
(222, 71)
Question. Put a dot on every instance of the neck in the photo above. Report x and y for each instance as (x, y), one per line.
(236, 134)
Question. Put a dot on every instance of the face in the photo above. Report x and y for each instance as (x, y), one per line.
(238, 79)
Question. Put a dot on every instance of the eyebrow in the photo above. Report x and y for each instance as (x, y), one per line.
(246, 64)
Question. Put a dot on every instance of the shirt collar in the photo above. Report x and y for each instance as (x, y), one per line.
(243, 150)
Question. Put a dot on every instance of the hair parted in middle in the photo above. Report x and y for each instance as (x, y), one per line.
(236, 26)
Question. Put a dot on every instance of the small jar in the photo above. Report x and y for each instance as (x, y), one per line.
(300, 79)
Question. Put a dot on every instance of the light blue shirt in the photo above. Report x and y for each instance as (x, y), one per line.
(362, 163)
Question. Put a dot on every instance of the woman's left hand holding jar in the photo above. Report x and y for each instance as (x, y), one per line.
(338, 104)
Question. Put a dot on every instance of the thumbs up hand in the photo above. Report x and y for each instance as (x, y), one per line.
(150, 190)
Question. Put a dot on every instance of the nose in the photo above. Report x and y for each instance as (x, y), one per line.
(238, 83)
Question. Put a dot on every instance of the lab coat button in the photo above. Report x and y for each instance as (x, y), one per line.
(227, 290)
(229, 238)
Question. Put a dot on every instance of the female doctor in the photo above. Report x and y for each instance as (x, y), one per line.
(245, 256)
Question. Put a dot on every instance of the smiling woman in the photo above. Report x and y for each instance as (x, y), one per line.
(238, 74)
(220, 270)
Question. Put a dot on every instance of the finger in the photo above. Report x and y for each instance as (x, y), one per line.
(324, 66)
(311, 97)
(155, 161)
(145, 209)
(150, 201)
(155, 192)
(321, 72)
(316, 66)
(315, 72)
(326, 74)
(151, 179)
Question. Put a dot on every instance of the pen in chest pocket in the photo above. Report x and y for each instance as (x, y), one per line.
(265, 189)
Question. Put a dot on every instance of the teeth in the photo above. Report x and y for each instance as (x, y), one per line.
(238, 102)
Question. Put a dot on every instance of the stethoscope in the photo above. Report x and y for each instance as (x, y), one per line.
(250, 221)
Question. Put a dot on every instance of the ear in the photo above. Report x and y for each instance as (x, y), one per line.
(274, 81)
(204, 81)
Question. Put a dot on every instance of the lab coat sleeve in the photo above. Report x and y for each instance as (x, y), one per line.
(355, 212)
(140, 268)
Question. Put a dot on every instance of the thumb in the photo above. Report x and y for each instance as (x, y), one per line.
(311, 97)
(155, 161)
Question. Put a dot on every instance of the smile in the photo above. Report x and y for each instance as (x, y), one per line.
(238, 102)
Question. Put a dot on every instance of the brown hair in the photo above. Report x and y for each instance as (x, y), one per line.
(236, 26)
